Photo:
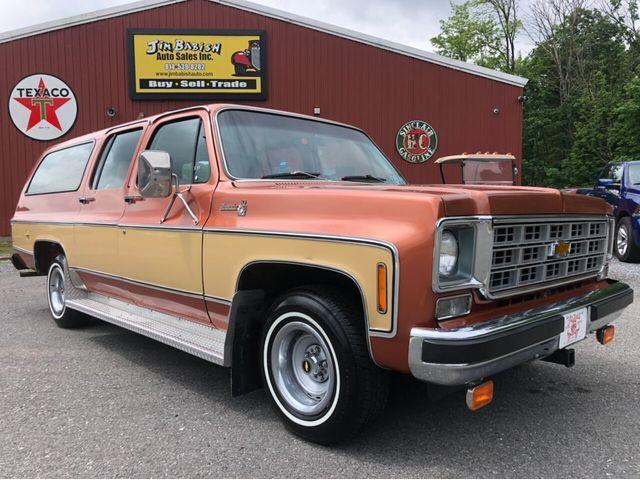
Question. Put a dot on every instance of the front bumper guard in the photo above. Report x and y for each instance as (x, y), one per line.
(464, 355)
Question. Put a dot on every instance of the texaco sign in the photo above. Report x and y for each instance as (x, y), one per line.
(416, 141)
(43, 107)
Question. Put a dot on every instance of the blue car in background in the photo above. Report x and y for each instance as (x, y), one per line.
(619, 184)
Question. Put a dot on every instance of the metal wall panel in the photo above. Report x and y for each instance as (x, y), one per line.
(375, 89)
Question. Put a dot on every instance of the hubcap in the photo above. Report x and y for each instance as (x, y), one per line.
(56, 290)
(622, 240)
(302, 368)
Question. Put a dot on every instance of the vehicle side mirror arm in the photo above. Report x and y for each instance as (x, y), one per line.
(178, 194)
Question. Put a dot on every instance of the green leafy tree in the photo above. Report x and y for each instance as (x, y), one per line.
(469, 35)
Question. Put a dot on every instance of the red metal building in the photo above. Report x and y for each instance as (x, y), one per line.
(351, 77)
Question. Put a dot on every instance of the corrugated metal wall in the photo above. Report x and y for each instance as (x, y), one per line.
(372, 88)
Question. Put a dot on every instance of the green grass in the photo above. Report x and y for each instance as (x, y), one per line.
(5, 248)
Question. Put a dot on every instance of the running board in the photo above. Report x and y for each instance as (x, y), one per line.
(191, 337)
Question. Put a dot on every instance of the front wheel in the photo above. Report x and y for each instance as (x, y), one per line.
(625, 247)
(316, 365)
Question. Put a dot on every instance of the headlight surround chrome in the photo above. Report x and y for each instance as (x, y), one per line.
(474, 240)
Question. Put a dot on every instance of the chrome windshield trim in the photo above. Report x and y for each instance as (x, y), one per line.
(218, 140)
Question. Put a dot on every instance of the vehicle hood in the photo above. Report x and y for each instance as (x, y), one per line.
(460, 200)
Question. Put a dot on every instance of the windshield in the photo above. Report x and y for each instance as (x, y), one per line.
(265, 145)
(498, 172)
(634, 174)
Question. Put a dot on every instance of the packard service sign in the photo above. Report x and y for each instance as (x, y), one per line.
(416, 141)
(197, 64)
(43, 107)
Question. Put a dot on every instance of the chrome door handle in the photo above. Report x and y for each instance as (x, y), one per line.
(133, 199)
(85, 200)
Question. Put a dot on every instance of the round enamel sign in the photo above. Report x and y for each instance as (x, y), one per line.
(416, 141)
(43, 107)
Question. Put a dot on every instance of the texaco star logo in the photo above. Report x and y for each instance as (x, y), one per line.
(416, 141)
(43, 107)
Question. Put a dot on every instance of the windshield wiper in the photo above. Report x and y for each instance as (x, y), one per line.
(365, 178)
(294, 174)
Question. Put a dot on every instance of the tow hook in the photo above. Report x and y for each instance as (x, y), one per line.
(479, 395)
(565, 356)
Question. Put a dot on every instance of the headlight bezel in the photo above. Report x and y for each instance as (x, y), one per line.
(474, 236)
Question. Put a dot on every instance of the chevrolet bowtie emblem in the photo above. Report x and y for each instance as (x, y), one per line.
(559, 249)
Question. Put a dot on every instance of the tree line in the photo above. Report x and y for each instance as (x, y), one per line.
(583, 96)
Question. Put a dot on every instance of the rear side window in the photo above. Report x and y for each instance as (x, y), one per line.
(184, 140)
(61, 171)
(112, 169)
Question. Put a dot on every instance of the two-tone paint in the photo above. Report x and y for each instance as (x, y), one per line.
(118, 247)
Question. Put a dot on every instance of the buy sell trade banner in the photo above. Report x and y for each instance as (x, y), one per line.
(197, 64)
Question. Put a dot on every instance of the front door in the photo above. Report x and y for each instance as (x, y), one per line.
(102, 206)
(164, 255)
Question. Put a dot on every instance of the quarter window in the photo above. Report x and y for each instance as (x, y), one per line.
(185, 142)
(115, 160)
(61, 171)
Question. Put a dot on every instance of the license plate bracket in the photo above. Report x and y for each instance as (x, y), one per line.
(575, 327)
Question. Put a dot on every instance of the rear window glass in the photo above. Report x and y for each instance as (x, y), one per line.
(61, 171)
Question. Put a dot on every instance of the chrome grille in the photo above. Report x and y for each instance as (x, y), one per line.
(525, 253)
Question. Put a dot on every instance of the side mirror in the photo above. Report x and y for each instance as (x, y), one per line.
(605, 182)
(154, 174)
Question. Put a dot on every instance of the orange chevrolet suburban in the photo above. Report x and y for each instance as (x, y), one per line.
(289, 249)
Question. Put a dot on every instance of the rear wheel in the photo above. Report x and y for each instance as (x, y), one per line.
(317, 368)
(625, 246)
(58, 287)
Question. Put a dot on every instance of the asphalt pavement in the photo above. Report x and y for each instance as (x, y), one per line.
(104, 402)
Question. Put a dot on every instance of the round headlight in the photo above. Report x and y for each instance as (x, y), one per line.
(448, 253)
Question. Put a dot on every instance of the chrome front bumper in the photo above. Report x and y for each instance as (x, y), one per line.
(463, 355)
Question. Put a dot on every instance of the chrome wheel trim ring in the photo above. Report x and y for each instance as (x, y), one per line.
(622, 240)
(282, 346)
(56, 290)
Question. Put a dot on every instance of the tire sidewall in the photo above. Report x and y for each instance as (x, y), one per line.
(302, 308)
(56, 265)
(623, 224)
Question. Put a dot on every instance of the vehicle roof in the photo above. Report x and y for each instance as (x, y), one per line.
(211, 108)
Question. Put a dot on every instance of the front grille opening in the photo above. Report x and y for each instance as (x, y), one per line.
(508, 302)
(556, 231)
(578, 230)
(554, 270)
(595, 246)
(505, 234)
(502, 257)
(532, 233)
(594, 263)
(577, 248)
(530, 274)
(501, 279)
(530, 252)
(596, 229)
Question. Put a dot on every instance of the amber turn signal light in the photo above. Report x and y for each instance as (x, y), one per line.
(480, 395)
(605, 334)
(382, 288)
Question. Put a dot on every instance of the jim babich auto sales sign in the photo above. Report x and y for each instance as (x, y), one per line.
(197, 64)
